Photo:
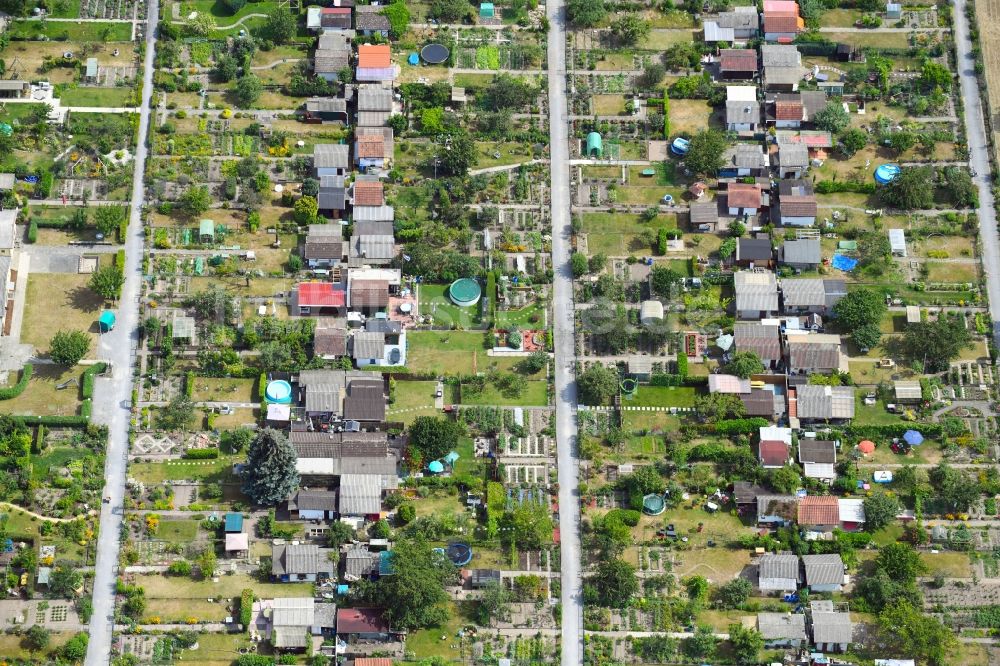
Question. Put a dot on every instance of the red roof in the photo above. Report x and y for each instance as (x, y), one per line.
(368, 193)
(738, 60)
(781, 6)
(361, 621)
(321, 294)
(787, 110)
(336, 10)
(741, 195)
(819, 511)
(773, 453)
(374, 56)
(373, 661)
(782, 22)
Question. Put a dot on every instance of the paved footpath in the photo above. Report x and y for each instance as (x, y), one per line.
(563, 317)
(112, 395)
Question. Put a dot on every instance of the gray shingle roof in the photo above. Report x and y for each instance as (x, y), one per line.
(359, 562)
(374, 98)
(802, 251)
(817, 451)
(780, 55)
(824, 569)
(753, 249)
(313, 500)
(825, 402)
(704, 212)
(764, 339)
(739, 19)
(813, 356)
(742, 112)
(370, 17)
(365, 400)
(793, 155)
(778, 626)
(744, 155)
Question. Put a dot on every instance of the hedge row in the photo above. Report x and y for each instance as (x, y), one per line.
(120, 260)
(837, 186)
(740, 426)
(876, 432)
(189, 384)
(246, 607)
(122, 230)
(85, 410)
(59, 421)
(201, 454)
(666, 379)
(33, 232)
(262, 386)
(17, 389)
(87, 388)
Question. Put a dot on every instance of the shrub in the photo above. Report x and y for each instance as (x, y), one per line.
(201, 454)
(17, 389)
(189, 384)
(740, 426)
(33, 232)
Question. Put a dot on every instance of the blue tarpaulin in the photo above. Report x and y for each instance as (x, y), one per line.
(842, 263)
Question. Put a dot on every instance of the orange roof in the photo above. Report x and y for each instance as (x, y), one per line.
(783, 22)
(817, 510)
(374, 56)
(368, 193)
(370, 145)
(743, 195)
(787, 110)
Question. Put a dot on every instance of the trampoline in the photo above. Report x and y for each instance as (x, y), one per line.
(465, 292)
(886, 173)
(460, 554)
(842, 263)
(653, 505)
(279, 392)
(434, 54)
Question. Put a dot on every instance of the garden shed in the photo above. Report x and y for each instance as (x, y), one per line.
(206, 231)
(595, 146)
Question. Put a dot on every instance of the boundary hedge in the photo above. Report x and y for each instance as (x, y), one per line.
(87, 384)
(17, 389)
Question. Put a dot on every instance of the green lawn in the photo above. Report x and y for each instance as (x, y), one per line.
(450, 352)
(65, 9)
(872, 414)
(178, 531)
(60, 456)
(948, 564)
(536, 394)
(413, 399)
(74, 32)
(661, 396)
(176, 470)
(618, 234)
(440, 641)
(522, 318)
(97, 97)
(434, 301)
(208, 389)
(173, 587)
(220, 10)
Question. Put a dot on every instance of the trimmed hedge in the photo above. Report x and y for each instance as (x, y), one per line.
(122, 230)
(682, 364)
(33, 232)
(246, 607)
(875, 432)
(39, 439)
(201, 454)
(262, 386)
(666, 379)
(85, 410)
(740, 426)
(17, 389)
(58, 421)
(837, 186)
(120, 260)
(87, 386)
(189, 384)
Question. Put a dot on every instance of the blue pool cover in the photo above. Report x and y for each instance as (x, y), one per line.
(842, 263)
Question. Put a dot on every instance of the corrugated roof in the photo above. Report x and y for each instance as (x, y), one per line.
(824, 569)
(293, 612)
(331, 155)
(777, 505)
(806, 354)
(780, 55)
(303, 558)
(321, 294)
(374, 98)
(763, 339)
(704, 212)
(727, 384)
(907, 390)
(369, 294)
(825, 402)
(793, 155)
(832, 627)
(802, 292)
(370, 17)
(778, 566)
(360, 494)
(756, 291)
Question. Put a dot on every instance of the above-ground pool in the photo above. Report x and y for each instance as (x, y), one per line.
(465, 292)
(653, 505)
(460, 554)
(886, 173)
(279, 392)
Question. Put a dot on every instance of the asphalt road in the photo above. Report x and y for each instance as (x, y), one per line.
(112, 396)
(979, 161)
(565, 344)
